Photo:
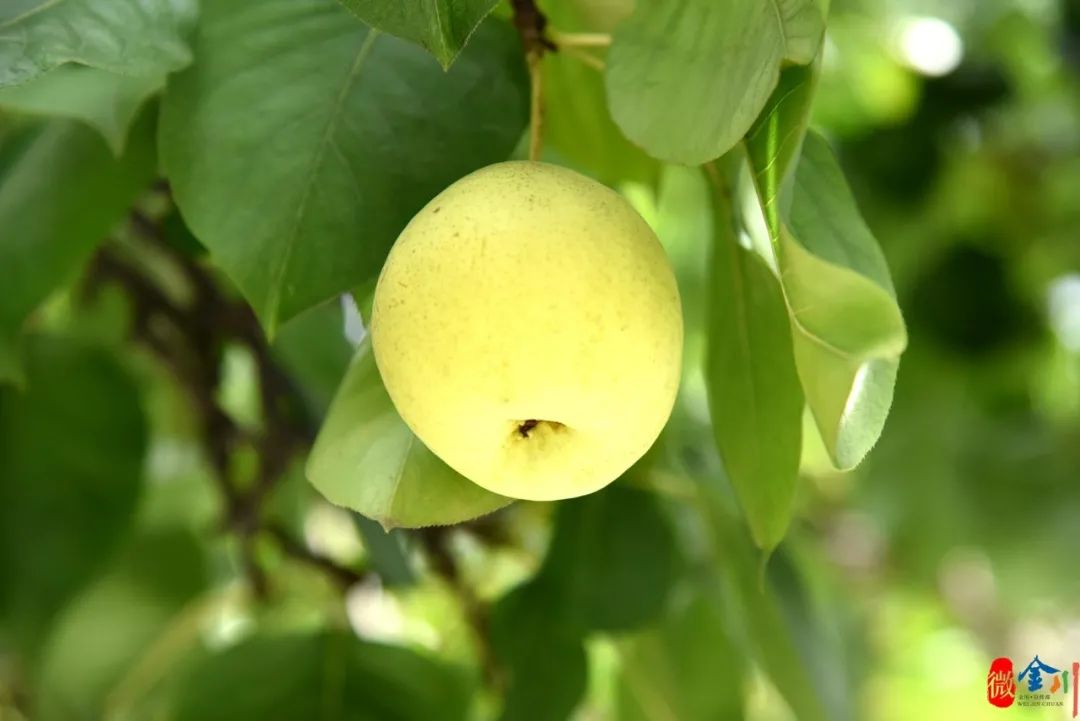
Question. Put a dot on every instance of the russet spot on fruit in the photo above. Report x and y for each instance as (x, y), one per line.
(527, 326)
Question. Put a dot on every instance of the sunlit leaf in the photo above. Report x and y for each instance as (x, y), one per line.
(685, 82)
(847, 327)
(775, 140)
(367, 459)
(299, 154)
(130, 37)
(849, 332)
(442, 27)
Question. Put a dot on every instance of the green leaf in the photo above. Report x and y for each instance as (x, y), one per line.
(71, 454)
(105, 101)
(612, 560)
(543, 657)
(299, 154)
(442, 27)
(577, 122)
(120, 617)
(761, 620)
(775, 141)
(687, 78)
(386, 553)
(57, 202)
(849, 332)
(315, 352)
(367, 459)
(685, 669)
(129, 37)
(326, 675)
(755, 399)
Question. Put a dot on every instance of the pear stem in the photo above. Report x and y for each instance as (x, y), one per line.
(530, 23)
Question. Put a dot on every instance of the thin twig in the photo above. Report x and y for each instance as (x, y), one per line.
(343, 575)
(531, 25)
(536, 105)
(190, 338)
(586, 57)
(579, 40)
(435, 543)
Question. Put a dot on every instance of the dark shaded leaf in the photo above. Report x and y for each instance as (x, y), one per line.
(298, 155)
(71, 454)
(57, 202)
(442, 27)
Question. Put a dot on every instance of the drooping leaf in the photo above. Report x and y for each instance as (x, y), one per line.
(326, 675)
(687, 78)
(129, 37)
(612, 560)
(755, 399)
(848, 329)
(367, 459)
(544, 659)
(71, 454)
(57, 202)
(105, 101)
(442, 27)
(121, 616)
(299, 154)
(687, 668)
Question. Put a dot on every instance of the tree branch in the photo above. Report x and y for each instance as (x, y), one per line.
(189, 338)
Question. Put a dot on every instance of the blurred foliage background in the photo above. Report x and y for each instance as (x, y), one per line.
(958, 125)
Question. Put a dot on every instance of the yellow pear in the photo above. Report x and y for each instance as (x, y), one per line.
(527, 326)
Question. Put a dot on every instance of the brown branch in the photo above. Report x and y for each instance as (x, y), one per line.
(443, 563)
(189, 338)
(343, 575)
(531, 24)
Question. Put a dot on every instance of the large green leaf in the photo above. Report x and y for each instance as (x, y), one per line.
(121, 617)
(299, 154)
(130, 37)
(847, 327)
(367, 459)
(105, 101)
(686, 669)
(849, 332)
(755, 399)
(612, 560)
(326, 675)
(71, 454)
(57, 202)
(687, 78)
(544, 659)
(442, 27)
